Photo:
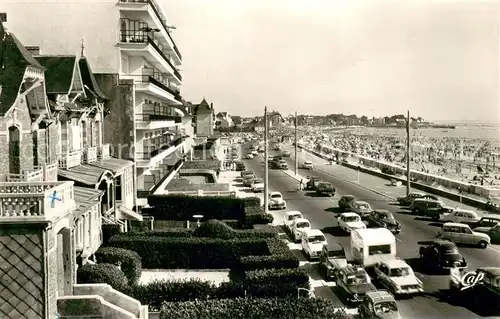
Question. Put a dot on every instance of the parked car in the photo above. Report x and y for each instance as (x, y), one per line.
(429, 208)
(299, 225)
(407, 200)
(282, 164)
(255, 153)
(325, 189)
(248, 180)
(258, 185)
(290, 217)
(463, 234)
(459, 215)
(398, 277)
(249, 156)
(484, 295)
(353, 283)
(240, 167)
(349, 221)
(382, 218)
(440, 254)
(378, 304)
(245, 173)
(312, 182)
(308, 165)
(331, 260)
(276, 201)
(361, 208)
(486, 223)
(312, 242)
(287, 153)
(346, 203)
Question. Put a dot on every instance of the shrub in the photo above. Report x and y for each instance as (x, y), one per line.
(275, 282)
(181, 207)
(209, 164)
(109, 231)
(215, 229)
(130, 261)
(251, 202)
(190, 252)
(103, 273)
(168, 232)
(234, 223)
(258, 217)
(279, 256)
(304, 308)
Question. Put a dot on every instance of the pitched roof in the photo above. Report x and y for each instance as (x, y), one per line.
(14, 58)
(59, 74)
(203, 106)
(89, 80)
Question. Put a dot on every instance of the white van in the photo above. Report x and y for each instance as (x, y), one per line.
(372, 245)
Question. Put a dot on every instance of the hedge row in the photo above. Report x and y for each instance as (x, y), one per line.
(262, 283)
(253, 308)
(130, 261)
(279, 256)
(103, 273)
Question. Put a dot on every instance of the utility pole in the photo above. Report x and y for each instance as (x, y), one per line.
(408, 186)
(296, 158)
(266, 166)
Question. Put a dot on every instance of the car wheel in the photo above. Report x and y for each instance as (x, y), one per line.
(482, 244)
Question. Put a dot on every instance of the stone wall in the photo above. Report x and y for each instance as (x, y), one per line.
(119, 124)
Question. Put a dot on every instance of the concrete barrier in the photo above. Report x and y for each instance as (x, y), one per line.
(481, 204)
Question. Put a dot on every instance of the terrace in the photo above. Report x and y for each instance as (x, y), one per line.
(154, 82)
(40, 173)
(70, 159)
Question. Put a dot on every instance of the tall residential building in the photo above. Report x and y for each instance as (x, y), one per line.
(137, 64)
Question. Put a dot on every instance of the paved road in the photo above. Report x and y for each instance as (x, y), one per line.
(320, 211)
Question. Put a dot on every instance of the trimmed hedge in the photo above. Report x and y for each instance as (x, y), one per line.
(103, 273)
(130, 261)
(109, 231)
(190, 252)
(263, 283)
(170, 232)
(279, 256)
(253, 308)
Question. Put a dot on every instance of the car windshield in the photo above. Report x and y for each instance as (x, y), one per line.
(294, 217)
(386, 307)
(302, 225)
(258, 180)
(308, 162)
(357, 279)
(336, 253)
(364, 206)
(400, 272)
(275, 196)
(350, 219)
(316, 239)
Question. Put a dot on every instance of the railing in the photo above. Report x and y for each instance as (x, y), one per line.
(155, 79)
(150, 155)
(70, 159)
(104, 151)
(176, 73)
(90, 154)
(50, 172)
(171, 169)
(46, 199)
(164, 24)
(147, 117)
(32, 175)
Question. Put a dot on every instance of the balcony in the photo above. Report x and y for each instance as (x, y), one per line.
(154, 83)
(148, 159)
(146, 5)
(90, 155)
(138, 42)
(152, 121)
(35, 201)
(104, 152)
(70, 159)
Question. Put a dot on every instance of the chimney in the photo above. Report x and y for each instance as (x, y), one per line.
(34, 50)
(212, 106)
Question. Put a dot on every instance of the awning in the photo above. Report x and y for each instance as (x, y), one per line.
(86, 174)
(85, 199)
(114, 165)
(128, 214)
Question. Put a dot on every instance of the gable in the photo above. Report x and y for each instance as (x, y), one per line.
(59, 74)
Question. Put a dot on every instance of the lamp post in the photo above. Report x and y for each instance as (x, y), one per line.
(266, 166)
(296, 159)
(408, 186)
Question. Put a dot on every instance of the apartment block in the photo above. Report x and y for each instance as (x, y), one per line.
(137, 65)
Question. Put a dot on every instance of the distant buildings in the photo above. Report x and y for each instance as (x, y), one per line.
(223, 120)
(204, 119)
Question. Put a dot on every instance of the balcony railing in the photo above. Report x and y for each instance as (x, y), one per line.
(176, 73)
(154, 77)
(104, 151)
(147, 117)
(70, 159)
(150, 155)
(90, 155)
(36, 199)
(164, 24)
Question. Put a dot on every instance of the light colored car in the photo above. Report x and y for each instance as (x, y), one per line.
(463, 234)
(276, 201)
(398, 277)
(349, 221)
(255, 153)
(312, 242)
(361, 208)
(298, 227)
(379, 304)
(249, 156)
(282, 164)
(308, 165)
(286, 154)
(258, 185)
(463, 216)
(290, 217)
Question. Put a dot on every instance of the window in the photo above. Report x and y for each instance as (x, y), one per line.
(379, 249)
(3, 17)
(118, 186)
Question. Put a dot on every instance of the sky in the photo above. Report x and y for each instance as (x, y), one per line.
(437, 59)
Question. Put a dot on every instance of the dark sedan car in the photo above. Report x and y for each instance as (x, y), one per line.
(441, 254)
(407, 200)
(384, 219)
(354, 283)
(346, 203)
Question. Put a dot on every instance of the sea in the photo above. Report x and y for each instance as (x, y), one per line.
(490, 132)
